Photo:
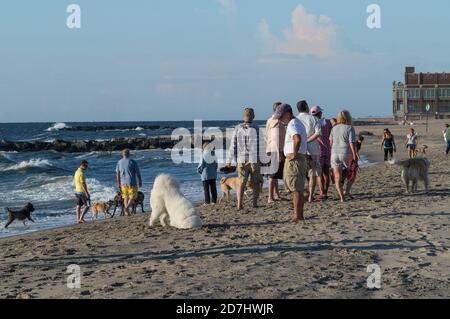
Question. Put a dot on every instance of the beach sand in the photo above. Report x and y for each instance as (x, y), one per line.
(257, 253)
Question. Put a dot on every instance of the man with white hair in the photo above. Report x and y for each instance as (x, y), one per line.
(129, 180)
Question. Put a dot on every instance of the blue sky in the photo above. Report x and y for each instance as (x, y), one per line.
(207, 59)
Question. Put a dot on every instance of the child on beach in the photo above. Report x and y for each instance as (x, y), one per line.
(208, 170)
(411, 142)
(388, 145)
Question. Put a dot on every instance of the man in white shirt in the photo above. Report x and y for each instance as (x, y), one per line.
(295, 167)
(314, 132)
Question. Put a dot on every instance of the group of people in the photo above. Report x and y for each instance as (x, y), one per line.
(128, 178)
(306, 146)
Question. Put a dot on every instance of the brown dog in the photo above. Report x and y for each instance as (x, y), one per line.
(102, 208)
(22, 215)
(232, 183)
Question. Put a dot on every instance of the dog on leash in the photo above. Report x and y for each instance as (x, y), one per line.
(101, 208)
(168, 202)
(413, 170)
(232, 183)
(22, 215)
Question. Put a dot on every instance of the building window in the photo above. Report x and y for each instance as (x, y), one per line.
(428, 94)
(414, 108)
(400, 94)
(444, 108)
(444, 93)
(414, 93)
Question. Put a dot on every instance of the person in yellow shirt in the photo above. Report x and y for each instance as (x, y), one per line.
(81, 192)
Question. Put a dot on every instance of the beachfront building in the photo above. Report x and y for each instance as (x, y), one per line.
(420, 89)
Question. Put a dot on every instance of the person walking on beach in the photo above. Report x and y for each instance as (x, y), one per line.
(244, 150)
(275, 133)
(128, 177)
(447, 139)
(313, 132)
(208, 171)
(411, 142)
(295, 166)
(81, 192)
(388, 145)
(343, 151)
(325, 152)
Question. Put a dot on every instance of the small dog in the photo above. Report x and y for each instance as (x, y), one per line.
(118, 203)
(22, 215)
(168, 201)
(232, 183)
(420, 150)
(414, 169)
(101, 208)
(139, 201)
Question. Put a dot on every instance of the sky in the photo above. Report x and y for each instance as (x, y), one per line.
(156, 60)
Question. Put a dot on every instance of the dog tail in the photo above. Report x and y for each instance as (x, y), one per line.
(223, 180)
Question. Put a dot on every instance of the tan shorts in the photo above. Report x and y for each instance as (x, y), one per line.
(314, 167)
(244, 170)
(295, 174)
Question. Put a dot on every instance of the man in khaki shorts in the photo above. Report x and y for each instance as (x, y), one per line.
(314, 133)
(244, 150)
(295, 167)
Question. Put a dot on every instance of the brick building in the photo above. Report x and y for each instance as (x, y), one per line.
(419, 89)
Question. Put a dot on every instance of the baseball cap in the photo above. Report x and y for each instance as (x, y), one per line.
(281, 110)
(249, 115)
(316, 109)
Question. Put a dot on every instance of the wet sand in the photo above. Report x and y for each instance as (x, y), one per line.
(257, 253)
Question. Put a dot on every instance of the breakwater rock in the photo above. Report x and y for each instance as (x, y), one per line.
(80, 146)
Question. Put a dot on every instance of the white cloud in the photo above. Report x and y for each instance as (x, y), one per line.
(227, 4)
(308, 35)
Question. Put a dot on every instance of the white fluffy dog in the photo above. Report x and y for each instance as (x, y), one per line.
(168, 201)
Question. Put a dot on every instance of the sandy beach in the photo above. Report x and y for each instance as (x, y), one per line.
(257, 253)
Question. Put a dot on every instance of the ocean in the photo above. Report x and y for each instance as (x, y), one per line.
(46, 178)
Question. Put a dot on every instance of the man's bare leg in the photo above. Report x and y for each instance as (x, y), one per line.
(85, 210)
(312, 187)
(256, 191)
(78, 213)
(240, 196)
(272, 189)
(298, 207)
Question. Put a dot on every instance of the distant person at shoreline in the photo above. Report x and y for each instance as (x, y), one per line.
(411, 142)
(447, 139)
(388, 145)
(81, 192)
(325, 152)
(208, 171)
(128, 177)
(244, 149)
(313, 132)
(343, 151)
(295, 166)
(275, 133)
